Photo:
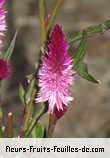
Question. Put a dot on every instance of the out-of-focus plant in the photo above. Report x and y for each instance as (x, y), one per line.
(49, 85)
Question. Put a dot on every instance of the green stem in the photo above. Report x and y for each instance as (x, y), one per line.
(52, 124)
(29, 112)
(91, 31)
(56, 8)
(42, 20)
(35, 120)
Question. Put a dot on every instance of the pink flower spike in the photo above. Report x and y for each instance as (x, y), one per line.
(2, 21)
(56, 75)
(5, 70)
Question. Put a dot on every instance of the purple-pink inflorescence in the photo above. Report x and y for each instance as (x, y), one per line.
(56, 75)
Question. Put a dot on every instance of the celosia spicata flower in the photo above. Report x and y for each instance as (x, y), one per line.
(5, 70)
(2, 21)
(56, 75)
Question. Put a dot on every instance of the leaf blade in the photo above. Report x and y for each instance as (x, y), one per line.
(38, 131)
(22, 94)
(91, 31)
(7, 55)
(30, 89)
(81, 51)
(82, 70)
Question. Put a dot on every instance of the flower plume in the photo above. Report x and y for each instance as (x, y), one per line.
(56, 75)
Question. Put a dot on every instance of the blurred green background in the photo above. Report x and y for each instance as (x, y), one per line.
(89, 115)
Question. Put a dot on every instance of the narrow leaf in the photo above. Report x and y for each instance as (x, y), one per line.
(38, 131)
(30, 90)
(81, 51)
(91, 31)
(55, 11)
(82, 70)
(42, 11)
(22, 94)
(7, 55)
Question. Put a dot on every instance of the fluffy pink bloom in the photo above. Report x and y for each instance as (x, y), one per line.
(56, 75)
(2, 20)
(5, 70)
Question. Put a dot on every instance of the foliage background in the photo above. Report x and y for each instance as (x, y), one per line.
(89, 115)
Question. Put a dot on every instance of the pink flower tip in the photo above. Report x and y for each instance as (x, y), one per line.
(56, 74)
(5, 70)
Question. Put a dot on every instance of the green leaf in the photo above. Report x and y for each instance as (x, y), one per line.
(56, 8)
(91, 31)
(42, 11)
(30, 90)
(38, 131)
(82, 70)
(80, 67)
(22, 94)
(7, 55)
(81, 51)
